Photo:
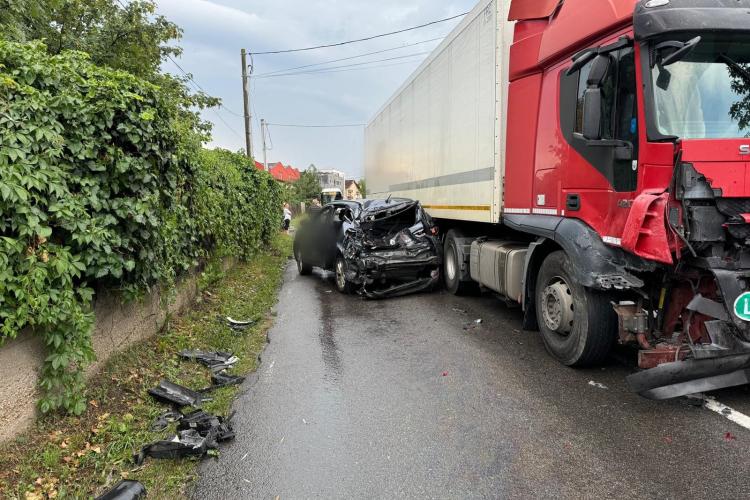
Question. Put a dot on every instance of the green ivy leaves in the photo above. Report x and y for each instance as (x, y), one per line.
(104, 184)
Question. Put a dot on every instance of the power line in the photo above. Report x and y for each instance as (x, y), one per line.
(316, 126)
(349, 58)
(198, 87)
(325, 70)
(360, 39)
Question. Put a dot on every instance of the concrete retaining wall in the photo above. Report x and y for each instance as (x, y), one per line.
(117, 326)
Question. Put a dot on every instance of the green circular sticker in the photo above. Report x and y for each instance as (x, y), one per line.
(742, 306)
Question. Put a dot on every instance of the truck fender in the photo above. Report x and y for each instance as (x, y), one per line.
(595, 264)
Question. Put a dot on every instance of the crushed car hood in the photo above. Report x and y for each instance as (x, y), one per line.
(392, 250)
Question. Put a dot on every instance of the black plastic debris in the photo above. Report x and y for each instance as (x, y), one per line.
(168, 392)
(239, 325)
(197, 433)
(162, 421)
(225, 380)
(216, 429)
(187, 443)
(216, 361)
(124, 490)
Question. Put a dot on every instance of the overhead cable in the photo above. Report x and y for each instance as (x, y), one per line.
(339, 44)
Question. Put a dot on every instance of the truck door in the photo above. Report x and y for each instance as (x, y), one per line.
(600, 123)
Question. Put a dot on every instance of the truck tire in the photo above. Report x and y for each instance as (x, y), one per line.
(452, 268)
(303, 268)
(578, 324)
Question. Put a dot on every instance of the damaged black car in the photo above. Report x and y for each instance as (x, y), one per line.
(377, 248)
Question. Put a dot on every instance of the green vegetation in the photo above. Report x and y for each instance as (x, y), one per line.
(77, 457)
(307, 187)
(103, 183)
(121, 35)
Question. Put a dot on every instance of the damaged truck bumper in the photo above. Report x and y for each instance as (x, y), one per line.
(693, 367)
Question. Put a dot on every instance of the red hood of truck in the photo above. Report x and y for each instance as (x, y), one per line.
(722, 162)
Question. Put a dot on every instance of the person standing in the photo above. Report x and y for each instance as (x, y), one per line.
(287, 217)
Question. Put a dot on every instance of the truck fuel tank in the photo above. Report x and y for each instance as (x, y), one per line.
(499, 266)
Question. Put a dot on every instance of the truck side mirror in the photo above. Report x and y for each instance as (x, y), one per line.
(592, 114)
(592, 98)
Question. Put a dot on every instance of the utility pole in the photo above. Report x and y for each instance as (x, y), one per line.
(246, 101)
(263, 128)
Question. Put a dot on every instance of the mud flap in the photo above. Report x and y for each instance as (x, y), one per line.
(672, 380)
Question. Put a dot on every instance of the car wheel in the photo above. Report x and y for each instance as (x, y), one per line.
(303, 268)
(342, 284)
(452, 268)
(578, 324)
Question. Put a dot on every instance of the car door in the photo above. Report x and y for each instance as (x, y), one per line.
(318, 237)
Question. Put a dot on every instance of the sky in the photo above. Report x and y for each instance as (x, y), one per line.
(216, 30)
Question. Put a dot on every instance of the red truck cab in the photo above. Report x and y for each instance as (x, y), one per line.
(628, 161)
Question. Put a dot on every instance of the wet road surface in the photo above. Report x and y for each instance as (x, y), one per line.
(397, 398)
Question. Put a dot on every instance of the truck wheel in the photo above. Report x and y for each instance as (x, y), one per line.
(452, 268)
(342, 284)
(578, 325)
(303, 268)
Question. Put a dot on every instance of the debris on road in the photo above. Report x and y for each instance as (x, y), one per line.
(730, 437)
(473, 325)
(162, 421)
(222, 379)
(171, 393)
(239, 325)
(445, 374)
(124, 490)
(598, 385)
(460, 311)
(216, 361)
(197, 433)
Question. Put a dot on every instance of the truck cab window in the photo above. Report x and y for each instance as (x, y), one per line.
(619, 118)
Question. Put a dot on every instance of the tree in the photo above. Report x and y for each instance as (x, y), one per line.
(129, 37)
(362, 187)
(308, 185)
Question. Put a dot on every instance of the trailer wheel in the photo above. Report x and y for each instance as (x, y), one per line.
(578, 325)
(302, 267)
(452, 268)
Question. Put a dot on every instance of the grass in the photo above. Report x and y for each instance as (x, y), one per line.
(78, 457)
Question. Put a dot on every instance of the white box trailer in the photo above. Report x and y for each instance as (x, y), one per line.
(441, 138)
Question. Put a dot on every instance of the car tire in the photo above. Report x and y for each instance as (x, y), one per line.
(339, 269)
(452, 268)
(578, 324)
(302, 267)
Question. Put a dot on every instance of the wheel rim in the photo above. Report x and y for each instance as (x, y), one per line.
(557, 307)
(340, 274)
(450, 264)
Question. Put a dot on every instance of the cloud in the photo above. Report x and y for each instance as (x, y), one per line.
(216, 30)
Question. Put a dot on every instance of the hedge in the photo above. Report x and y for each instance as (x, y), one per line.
(104, 185)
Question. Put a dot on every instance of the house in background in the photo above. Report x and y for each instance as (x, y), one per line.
(332, 179)
(281, 173)
(352, 191)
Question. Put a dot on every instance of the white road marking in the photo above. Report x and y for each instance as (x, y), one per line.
(738, 418)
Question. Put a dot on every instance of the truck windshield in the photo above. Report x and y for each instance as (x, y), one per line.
(707, 94)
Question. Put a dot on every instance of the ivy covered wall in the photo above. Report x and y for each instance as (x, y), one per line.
(104, 184)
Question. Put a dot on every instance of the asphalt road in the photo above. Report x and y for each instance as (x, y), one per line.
(358, 399)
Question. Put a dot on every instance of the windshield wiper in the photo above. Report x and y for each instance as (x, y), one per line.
(735, 66)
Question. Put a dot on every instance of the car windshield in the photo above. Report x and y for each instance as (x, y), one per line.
(707, 94)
